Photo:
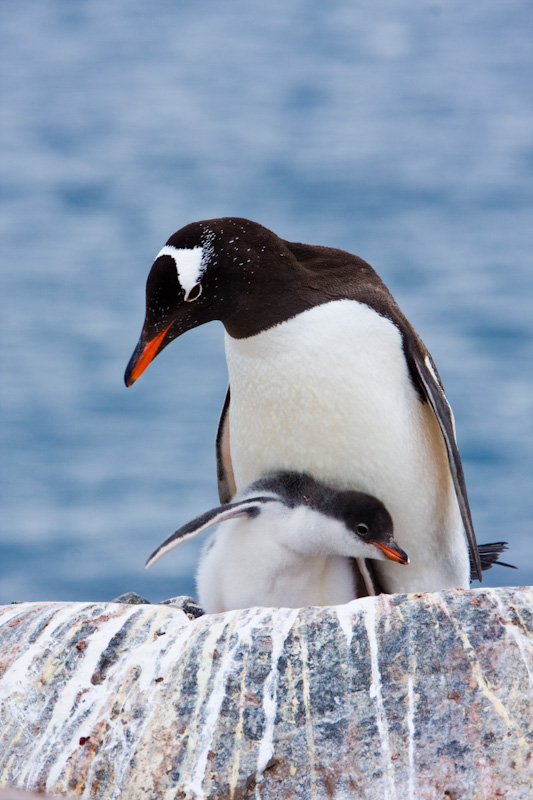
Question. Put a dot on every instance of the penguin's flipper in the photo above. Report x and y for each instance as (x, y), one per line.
(490, 555)
(433, 390)
(226, 479)
(204, 521)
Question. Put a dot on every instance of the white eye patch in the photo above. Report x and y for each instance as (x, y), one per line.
(188, 264)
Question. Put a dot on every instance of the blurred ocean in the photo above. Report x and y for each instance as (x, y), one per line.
(399, 131)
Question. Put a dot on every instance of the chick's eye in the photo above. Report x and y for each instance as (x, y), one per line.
(195, 293)
(362, 528)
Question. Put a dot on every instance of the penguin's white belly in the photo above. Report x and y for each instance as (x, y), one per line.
(328, 392)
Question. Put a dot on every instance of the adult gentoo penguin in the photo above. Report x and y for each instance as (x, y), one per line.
(327, 377)
(288, 541)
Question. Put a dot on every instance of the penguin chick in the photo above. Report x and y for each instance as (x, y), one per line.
(288, 541)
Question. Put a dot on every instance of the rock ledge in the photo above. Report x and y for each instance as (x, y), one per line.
(399, 697)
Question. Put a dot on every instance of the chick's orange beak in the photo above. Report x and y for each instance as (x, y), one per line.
(393, 552)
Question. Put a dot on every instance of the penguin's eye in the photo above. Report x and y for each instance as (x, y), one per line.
(195, 293)
(362, 529)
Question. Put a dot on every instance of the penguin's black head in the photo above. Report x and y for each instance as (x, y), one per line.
(216, 269)
(367, 518)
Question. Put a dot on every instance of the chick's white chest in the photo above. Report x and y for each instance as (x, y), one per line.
(274, 560)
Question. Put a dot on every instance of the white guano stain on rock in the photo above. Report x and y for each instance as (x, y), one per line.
(82, 702)
(78, 712)
(413, 795)
(214, 697)
(345, 615)
(306, 696)
(18, 678)
(376, 695)
(280, 630)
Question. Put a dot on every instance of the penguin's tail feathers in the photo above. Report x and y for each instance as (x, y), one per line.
(490, 555)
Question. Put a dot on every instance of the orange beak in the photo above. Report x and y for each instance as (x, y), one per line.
(140, 360)
(393, 552)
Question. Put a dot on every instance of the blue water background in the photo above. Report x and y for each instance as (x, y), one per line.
(399, 131)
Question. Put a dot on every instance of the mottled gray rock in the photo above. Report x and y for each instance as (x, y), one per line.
(403, 697)
(132, 599)
(16, 794)
(187, 604)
